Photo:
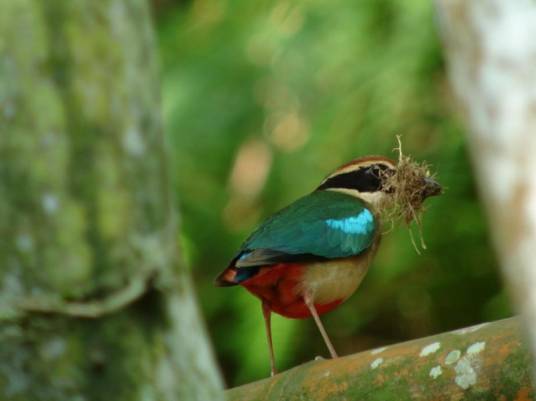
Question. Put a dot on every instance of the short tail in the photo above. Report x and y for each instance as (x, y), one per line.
(233, 276)
(227, 278)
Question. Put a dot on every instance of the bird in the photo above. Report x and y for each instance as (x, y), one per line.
(308, 258)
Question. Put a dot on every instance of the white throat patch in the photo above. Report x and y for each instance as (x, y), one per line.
(372, 198)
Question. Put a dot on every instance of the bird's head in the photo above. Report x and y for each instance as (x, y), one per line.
(382, 182)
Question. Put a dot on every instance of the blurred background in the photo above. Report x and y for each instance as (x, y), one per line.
(261, 100)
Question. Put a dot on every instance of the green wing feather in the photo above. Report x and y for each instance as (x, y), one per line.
(324, 224)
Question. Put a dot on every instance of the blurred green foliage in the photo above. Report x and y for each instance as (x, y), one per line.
(261, 100)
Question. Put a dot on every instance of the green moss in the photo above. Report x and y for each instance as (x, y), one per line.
(58, 358)
(402, 372)
(87, 202)
(84, 213)
(514, 371)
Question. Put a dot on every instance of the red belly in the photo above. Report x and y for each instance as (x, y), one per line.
(279, 286)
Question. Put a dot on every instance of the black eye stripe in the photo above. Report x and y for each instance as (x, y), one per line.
(365, 179)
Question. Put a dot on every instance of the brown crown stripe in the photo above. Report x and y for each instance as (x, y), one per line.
(366, 177)
(358, 163)
(367, 159)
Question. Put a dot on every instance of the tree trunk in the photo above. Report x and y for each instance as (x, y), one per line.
(491, 52)
(93, 302)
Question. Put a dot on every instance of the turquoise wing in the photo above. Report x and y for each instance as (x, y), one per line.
(323, 224)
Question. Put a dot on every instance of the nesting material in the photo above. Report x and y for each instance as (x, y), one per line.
(406, 187)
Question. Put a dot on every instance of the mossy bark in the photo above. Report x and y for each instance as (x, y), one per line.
(93, 305)
(485, 362)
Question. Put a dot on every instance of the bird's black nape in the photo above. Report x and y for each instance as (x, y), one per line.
(368, 178)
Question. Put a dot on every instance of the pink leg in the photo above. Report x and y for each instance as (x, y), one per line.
(312, 309)
(267, 313)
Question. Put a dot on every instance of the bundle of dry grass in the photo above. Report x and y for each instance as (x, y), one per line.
(408, 189)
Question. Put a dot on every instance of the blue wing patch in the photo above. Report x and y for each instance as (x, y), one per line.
(360, 224)
(323, 224)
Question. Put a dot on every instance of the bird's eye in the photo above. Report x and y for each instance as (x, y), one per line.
(376, 171)
(381, 173)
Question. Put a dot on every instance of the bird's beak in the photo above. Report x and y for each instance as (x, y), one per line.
(431, 188)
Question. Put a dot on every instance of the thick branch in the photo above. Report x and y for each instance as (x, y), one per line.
(481, 362)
